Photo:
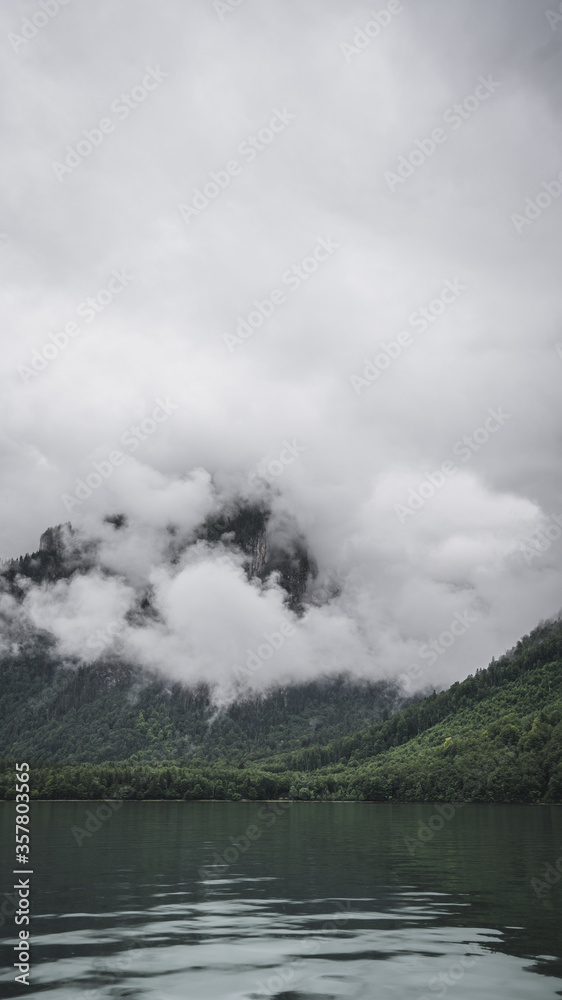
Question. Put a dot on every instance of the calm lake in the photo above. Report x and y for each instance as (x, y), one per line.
(317, 900)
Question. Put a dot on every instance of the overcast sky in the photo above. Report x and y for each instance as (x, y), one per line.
(375, 186)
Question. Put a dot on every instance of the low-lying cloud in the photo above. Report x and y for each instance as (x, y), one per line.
(434, 309)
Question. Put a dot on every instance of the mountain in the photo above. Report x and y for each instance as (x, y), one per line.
(241, 527)
(58, 709)
(496, 736)
(112, 711)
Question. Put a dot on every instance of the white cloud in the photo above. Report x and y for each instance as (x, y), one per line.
(323, 176)
(75, 611)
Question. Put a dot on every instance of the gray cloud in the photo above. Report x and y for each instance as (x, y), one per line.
(402, 582)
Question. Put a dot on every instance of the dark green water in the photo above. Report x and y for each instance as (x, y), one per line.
(325, 901)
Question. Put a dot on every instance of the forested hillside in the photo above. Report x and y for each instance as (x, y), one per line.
(56, 709)
(526, 680)
(113, 711)
(497, 736)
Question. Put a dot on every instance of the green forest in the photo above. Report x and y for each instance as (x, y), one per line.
(494, 737)
(111, 710)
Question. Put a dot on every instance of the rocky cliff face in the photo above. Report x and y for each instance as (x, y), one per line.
(246, 527)
(259, 554)
(48, 711)
(243, 527)
(58, 556)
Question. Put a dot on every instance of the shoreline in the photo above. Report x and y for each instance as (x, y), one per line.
(304, 802)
